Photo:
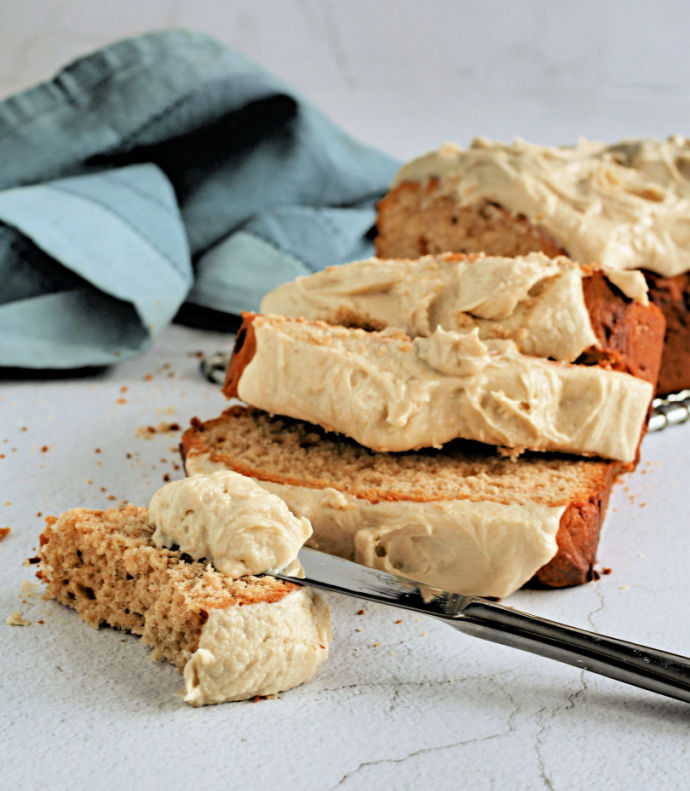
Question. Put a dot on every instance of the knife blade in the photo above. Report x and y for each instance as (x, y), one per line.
(648, 668)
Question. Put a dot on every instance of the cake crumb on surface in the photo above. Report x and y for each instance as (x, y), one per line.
(4, 532)
(16, 619)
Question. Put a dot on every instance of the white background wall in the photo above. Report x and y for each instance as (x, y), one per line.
(405, 74)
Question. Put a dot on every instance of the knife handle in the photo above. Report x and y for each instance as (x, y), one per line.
(648, 668)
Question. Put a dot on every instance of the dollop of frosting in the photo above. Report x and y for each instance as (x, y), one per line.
(229, 520)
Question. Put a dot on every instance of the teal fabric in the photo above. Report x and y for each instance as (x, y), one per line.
(163, 169)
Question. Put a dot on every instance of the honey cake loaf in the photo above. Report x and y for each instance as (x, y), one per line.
(465, 518)
(550, 307)
(231, 638)
(623, 206)
(393, 393)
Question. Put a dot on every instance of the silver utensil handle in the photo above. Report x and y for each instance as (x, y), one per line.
(648, 668)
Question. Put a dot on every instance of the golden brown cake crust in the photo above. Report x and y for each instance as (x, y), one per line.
(672, 295)
(288, 451)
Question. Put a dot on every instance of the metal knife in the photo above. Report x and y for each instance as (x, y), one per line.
(658, 671)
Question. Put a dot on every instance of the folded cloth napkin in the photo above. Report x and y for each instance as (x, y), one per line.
(144, 157)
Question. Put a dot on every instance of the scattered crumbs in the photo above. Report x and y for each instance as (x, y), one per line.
(606, 570)
(146, 432)
(643, 471)
(166, 366)
(198, 354)
(122, 504)
(16, 619)
(376, 645)
(39, 514)
(423, 634)
(176, 466)
(103, 489)
(128, 455)
(626, 489)
(166, 477)
(4, 532)
(99, 464)
(44, 449)
(360, 612)
(14, 450)
(643, 505)
(164, 461)
(40, 620)
(173, 449)
(96, 450)
(89, 481)
(148, 377)
(25, 428)
(121, 401)
(112, 497)
(124, 389)
(8, 502)
(359, 629)
(2, 455)
(122, 640)
(171, 375)
(623, 587)
(399, 620)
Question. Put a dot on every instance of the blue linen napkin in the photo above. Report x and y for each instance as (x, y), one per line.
(146, 156)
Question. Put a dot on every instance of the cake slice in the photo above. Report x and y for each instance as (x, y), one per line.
(231, 638)
(393, 393)
(464, 518)
(550, 307)
(624, 206)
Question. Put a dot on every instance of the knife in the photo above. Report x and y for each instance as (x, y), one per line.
(648, 668)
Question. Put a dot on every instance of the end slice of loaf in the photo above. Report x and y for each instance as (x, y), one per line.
(419, 218)
(104, 565)
(289, 452)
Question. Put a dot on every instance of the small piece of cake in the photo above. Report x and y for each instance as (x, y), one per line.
(231, 638)
(624, 206)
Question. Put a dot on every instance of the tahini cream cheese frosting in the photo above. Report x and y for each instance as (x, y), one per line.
(229, 520)
(534, 300)
(464, 546)
(260, 648)
(624, 206)
(393, 393)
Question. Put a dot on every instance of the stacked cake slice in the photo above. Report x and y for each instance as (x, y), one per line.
(376, 439)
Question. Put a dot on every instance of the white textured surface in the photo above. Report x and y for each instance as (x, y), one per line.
(394, 704)
(427, 706)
